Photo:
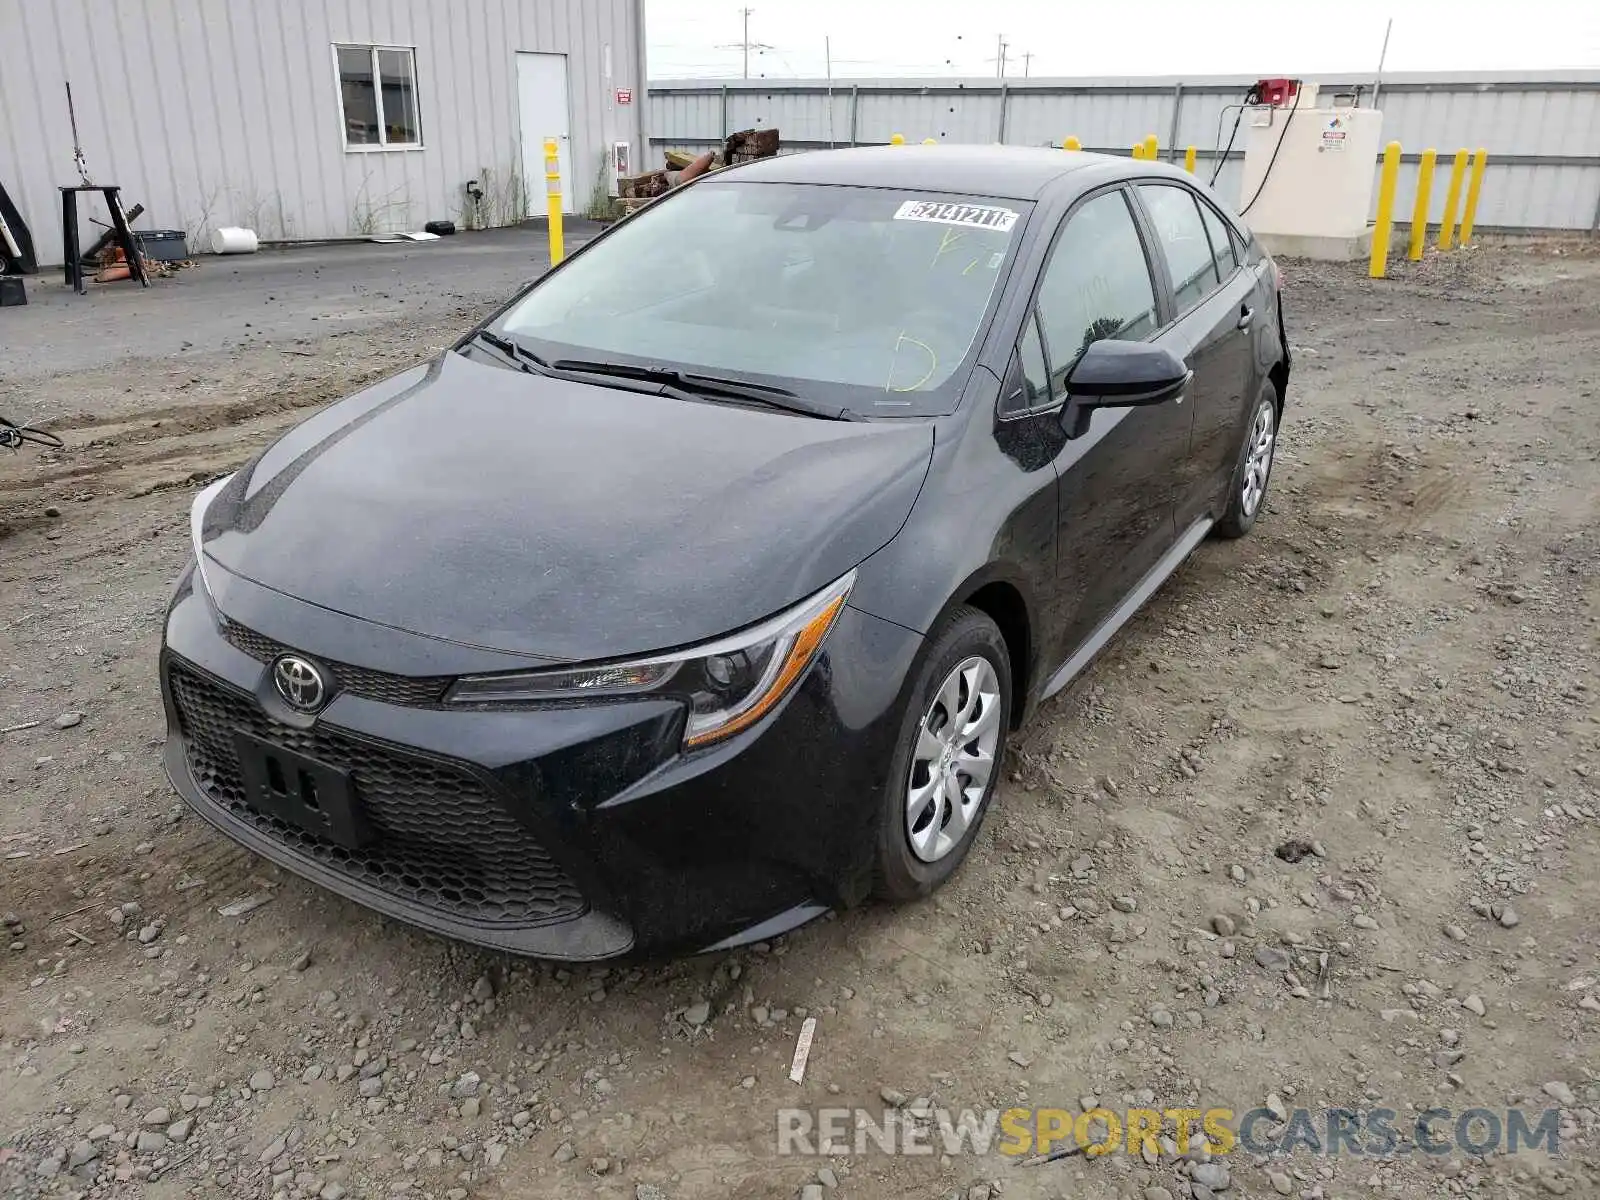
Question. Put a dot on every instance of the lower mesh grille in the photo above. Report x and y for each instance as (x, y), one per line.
(440, 840)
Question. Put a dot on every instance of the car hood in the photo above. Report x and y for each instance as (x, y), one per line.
(561, 520)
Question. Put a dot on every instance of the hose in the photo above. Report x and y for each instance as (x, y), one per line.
(12, 436)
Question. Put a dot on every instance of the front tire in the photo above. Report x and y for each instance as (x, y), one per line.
(1247, 493)
(947, 761)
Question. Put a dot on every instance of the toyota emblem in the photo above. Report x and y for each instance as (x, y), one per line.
(299, 683)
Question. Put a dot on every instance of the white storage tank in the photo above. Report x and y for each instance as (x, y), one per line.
(1309, 173)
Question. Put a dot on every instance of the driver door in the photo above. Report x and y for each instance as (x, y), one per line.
(1116, 502)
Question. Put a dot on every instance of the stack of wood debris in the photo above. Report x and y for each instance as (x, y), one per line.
(109, 263)
(745, 146)
(113, 265)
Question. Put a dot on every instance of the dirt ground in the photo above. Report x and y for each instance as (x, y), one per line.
(1398, 666)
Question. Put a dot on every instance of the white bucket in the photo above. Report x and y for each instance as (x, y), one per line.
(232, 240)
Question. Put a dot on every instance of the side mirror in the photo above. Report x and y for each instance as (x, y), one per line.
(1112, 374)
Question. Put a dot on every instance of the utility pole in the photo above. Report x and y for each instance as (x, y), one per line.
(1027, 63)
(1000, 56)
(745, 45)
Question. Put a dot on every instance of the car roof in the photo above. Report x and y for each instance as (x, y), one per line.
(1011, 172)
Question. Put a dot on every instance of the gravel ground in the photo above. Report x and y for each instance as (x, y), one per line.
(1318, 830)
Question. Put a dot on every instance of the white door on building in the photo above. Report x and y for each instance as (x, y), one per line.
(543, 103)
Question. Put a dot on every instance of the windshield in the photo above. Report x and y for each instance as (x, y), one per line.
(870, 298)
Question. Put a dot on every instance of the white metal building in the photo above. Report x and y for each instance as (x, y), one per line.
(266, 114)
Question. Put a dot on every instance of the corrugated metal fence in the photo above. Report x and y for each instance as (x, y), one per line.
(1542, 129)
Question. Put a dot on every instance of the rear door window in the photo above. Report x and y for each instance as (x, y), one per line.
(1222, 250)
(1176, 217)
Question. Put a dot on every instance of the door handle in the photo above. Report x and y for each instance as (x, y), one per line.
(1246, 315)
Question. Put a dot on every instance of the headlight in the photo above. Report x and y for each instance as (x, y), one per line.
(729, 684)
(197, 516)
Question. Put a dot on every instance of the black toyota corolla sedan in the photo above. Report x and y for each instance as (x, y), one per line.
(699, 590)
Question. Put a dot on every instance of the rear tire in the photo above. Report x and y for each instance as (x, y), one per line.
(1247, 492)
(948, 758)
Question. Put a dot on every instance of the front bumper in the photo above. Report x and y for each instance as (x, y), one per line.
(573, 832)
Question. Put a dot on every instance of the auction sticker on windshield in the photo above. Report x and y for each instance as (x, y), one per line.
(944, 212)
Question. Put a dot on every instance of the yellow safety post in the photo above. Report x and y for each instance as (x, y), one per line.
(1419, 211)
(1071, 143)
(1479, 161)
(1447, 227)
(1138, 149)
(1188, 160)
(1151, 147)
(552, 187)
(930, 141)
(897, 140)
(1380, 234)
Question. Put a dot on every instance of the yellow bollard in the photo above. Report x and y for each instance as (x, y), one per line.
(930, 141)
(1447, 227)
(1188, 160)
(1071, 143)
(552, 187)
(1419, 211)
(897, 140)
(1138, 150)
(1479, 161)
(1385, 224)
(1151, 148)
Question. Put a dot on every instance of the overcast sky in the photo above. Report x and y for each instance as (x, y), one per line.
(700, 39)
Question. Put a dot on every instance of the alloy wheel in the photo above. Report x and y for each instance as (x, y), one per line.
(953, 759)
(1258, 460)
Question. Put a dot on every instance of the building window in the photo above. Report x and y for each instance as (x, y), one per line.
(378, 97)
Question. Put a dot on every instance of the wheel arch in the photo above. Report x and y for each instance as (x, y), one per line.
(1278, 376)
(1004, 600)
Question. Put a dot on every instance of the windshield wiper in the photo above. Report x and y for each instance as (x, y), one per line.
(694, 384)
(524, 358)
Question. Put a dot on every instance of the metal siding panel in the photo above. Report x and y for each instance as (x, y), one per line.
(282, 144)
(470, 32)
(148, 174)
(505, 161)
(37, 123)
(493, 56)
(210, 98)
(254, 124)
(99, 92)
(181, 99)
(588, 107)
(326, 22)
(1033, 120)
(423, 167)
(307, 73)
(451, 157)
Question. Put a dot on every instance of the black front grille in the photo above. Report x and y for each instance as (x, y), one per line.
(414, 691)
(440, 840)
